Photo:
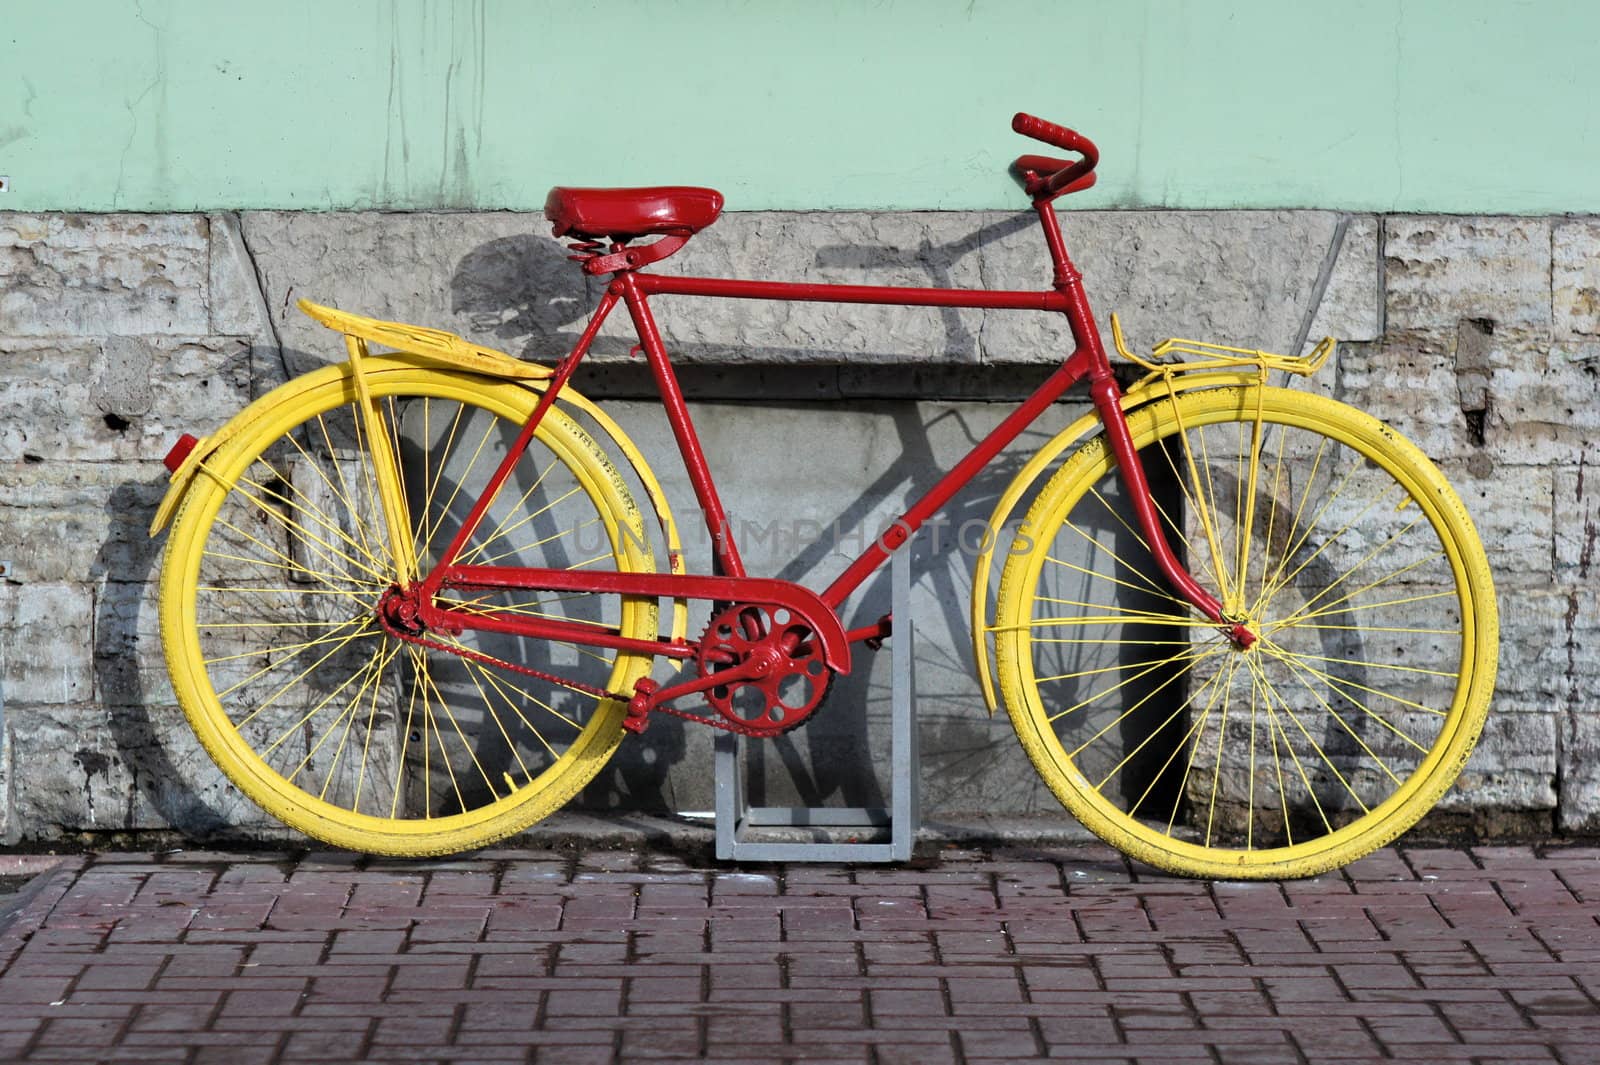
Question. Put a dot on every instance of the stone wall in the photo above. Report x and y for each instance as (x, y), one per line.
(1477, 337)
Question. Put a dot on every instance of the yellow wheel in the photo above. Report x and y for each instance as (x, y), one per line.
(274, 569)
(1331, 537)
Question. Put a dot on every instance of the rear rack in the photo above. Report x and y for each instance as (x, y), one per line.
(1220, 356)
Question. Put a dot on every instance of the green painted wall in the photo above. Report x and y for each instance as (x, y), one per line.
(1464, 106)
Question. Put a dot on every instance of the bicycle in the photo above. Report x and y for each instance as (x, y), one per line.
(410, 603)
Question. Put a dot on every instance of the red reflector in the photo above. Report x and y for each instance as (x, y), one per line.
(179, 452)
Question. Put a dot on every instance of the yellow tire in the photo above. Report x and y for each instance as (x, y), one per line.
(1331, 537)
(273, 570)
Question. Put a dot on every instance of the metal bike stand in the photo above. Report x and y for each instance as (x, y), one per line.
(739, 825)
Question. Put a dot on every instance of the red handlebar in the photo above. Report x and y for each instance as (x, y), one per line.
(1045, 186)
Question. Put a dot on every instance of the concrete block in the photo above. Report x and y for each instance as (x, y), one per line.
(1545, 412)
(237, 306)
(1513, 514)
(74, 521)
(1514, 765)
(1533, 644)
(495, 277)
(1577, 518)
(117, 399)
(98, 769)
(1441, 269)
(1352, 307)
(1580, 749)
(1409, 382)
(1243, 278)
(90, 275)
(8, 823)
(45, 635)
(925, 250)
(1575, 277)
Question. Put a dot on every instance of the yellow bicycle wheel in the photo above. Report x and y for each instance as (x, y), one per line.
(275, 565)
(1336, 541)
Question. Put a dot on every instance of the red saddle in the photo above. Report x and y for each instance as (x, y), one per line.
(625, 214)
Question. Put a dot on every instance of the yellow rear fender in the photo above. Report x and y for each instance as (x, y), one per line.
(527, 375)
(1146, 391)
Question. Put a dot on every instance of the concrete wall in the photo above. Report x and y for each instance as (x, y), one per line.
(1478, 337)
(1464, 106)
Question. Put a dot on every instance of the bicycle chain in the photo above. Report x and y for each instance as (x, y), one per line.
(490, 660)
(578, 685)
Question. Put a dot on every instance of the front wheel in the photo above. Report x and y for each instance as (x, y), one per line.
(274, 570)
(1332, 538)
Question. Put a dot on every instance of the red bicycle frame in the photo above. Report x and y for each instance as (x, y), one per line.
(633, 288)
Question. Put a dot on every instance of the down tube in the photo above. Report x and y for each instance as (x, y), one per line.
(908, 523)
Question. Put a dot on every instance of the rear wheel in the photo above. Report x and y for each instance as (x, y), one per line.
(1333, 539)
(275, 566)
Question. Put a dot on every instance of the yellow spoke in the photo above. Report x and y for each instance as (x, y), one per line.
(1124, 563)
(1335, 605)
(511, 512)
(1194, 507)
(430, 726)
(349, 715)
(1151, 735)
(1106, 641)
(419, 665)
(424, 535)
(1273, 728)
(305, 505)
(372, 720)
(1331, 679)
(444, 511)
(1300, 669)
(1250, 789)
(590, 561)
(1191, 659)
(364, 630)
(290, 563)
(1216, 768)
(283, 651)
(1197, 731)
(1272, 509)
(313, 712)
(1373, 628)
(327, 577)
(1293, 621)
(1206, 515)
(1137, 535)
(395, 434)
(537, 543)
(1266, 692)
(1118, 668)
(488, 708)
(1368, 557)
(1303, 655)
(345, 496)
(1315, 746)
(1190, 656)
(1327, 542)
(467, 747)
(1103, 619)
(1291, 544)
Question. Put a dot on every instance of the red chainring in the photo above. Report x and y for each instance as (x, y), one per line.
(792, 677)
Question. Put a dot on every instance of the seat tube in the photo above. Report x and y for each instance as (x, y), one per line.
(723, 548)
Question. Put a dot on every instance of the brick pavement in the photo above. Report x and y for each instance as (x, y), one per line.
(1439, 955)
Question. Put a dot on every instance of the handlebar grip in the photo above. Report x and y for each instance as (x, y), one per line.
(1059, 137)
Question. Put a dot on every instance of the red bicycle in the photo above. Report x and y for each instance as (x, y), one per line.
(411, 603)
